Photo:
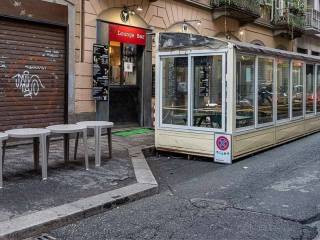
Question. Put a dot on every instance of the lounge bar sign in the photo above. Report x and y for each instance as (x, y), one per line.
(125, 34)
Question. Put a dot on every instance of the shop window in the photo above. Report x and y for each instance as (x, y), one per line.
(265, 90)
(297, 89)
(115, 62)
(245, 91)
(175, 90)
(123, 63)
(318, 89)
(207, 96)
(310, 89)
(283, 88)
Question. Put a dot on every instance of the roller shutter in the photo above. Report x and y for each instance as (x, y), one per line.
(32, 74)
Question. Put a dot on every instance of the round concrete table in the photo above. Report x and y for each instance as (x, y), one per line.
(97, 127)
(3, 138)
(38, 135)
(66, 130)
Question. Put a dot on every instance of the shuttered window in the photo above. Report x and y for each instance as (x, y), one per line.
(32, 74)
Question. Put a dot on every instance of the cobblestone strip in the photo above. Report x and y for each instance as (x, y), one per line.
(42, 221)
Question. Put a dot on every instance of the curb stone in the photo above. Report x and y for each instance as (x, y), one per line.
(48, 219)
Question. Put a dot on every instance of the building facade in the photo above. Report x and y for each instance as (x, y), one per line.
(66, 42)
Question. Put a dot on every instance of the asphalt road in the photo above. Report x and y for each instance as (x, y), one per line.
(272, 195)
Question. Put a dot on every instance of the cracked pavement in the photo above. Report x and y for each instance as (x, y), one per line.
(272, 195)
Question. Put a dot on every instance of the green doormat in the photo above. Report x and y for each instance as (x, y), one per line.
(132, 132)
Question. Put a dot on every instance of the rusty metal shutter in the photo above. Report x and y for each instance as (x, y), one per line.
(32, 74)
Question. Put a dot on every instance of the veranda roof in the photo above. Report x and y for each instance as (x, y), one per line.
(169, 41)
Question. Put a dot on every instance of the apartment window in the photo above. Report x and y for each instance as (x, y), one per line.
(297, 88)
(265, 90)
(175, 90)
(245, 90)
(207, 95)
(281, 47)
(283, 88)
(302, 50)
(315, 53)
(310, 107)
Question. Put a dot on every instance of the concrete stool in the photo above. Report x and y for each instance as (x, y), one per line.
(97, 126)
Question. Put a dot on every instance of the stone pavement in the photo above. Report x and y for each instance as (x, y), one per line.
(273, 195)
(24, 192)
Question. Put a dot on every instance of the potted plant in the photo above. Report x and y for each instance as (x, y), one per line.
(296, 7)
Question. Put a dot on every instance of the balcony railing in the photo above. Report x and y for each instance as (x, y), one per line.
(252, 6)
(312, 21)
(285, 18)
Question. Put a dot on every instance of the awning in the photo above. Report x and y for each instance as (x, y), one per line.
(185, 41)
(260, 50)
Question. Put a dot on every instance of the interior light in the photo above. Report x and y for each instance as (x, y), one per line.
(199, 23)
(139, 8)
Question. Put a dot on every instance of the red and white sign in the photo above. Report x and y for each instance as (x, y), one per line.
(222, 148)
(127, 34)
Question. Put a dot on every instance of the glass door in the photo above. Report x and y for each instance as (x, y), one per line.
(207, 98)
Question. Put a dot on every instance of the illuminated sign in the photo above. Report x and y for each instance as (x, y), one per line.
(127, 34)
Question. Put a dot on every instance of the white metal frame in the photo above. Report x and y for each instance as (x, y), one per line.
(160, 82)
(252, 127)
(308, 115)
(316, 88)
(229, 91)
(275, 121)
(290, 93)
(292, 118)
(285, 120)
(262, 125)
(189, 54)
(223, 85)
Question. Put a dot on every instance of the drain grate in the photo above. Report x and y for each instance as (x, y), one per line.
(44, 236)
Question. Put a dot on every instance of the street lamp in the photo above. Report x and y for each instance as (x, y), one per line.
(189, 21)
(132, 11)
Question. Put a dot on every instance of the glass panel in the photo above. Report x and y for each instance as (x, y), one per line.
(115, 62)
(265, 90)
(123, 59)
(318, 88)
(175, 90)
(297, 89)
(129, 60)
(207, 101)
(283, 88)
(310, 88)
(245, 91)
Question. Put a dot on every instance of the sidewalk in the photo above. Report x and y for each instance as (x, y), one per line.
(25, 195)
